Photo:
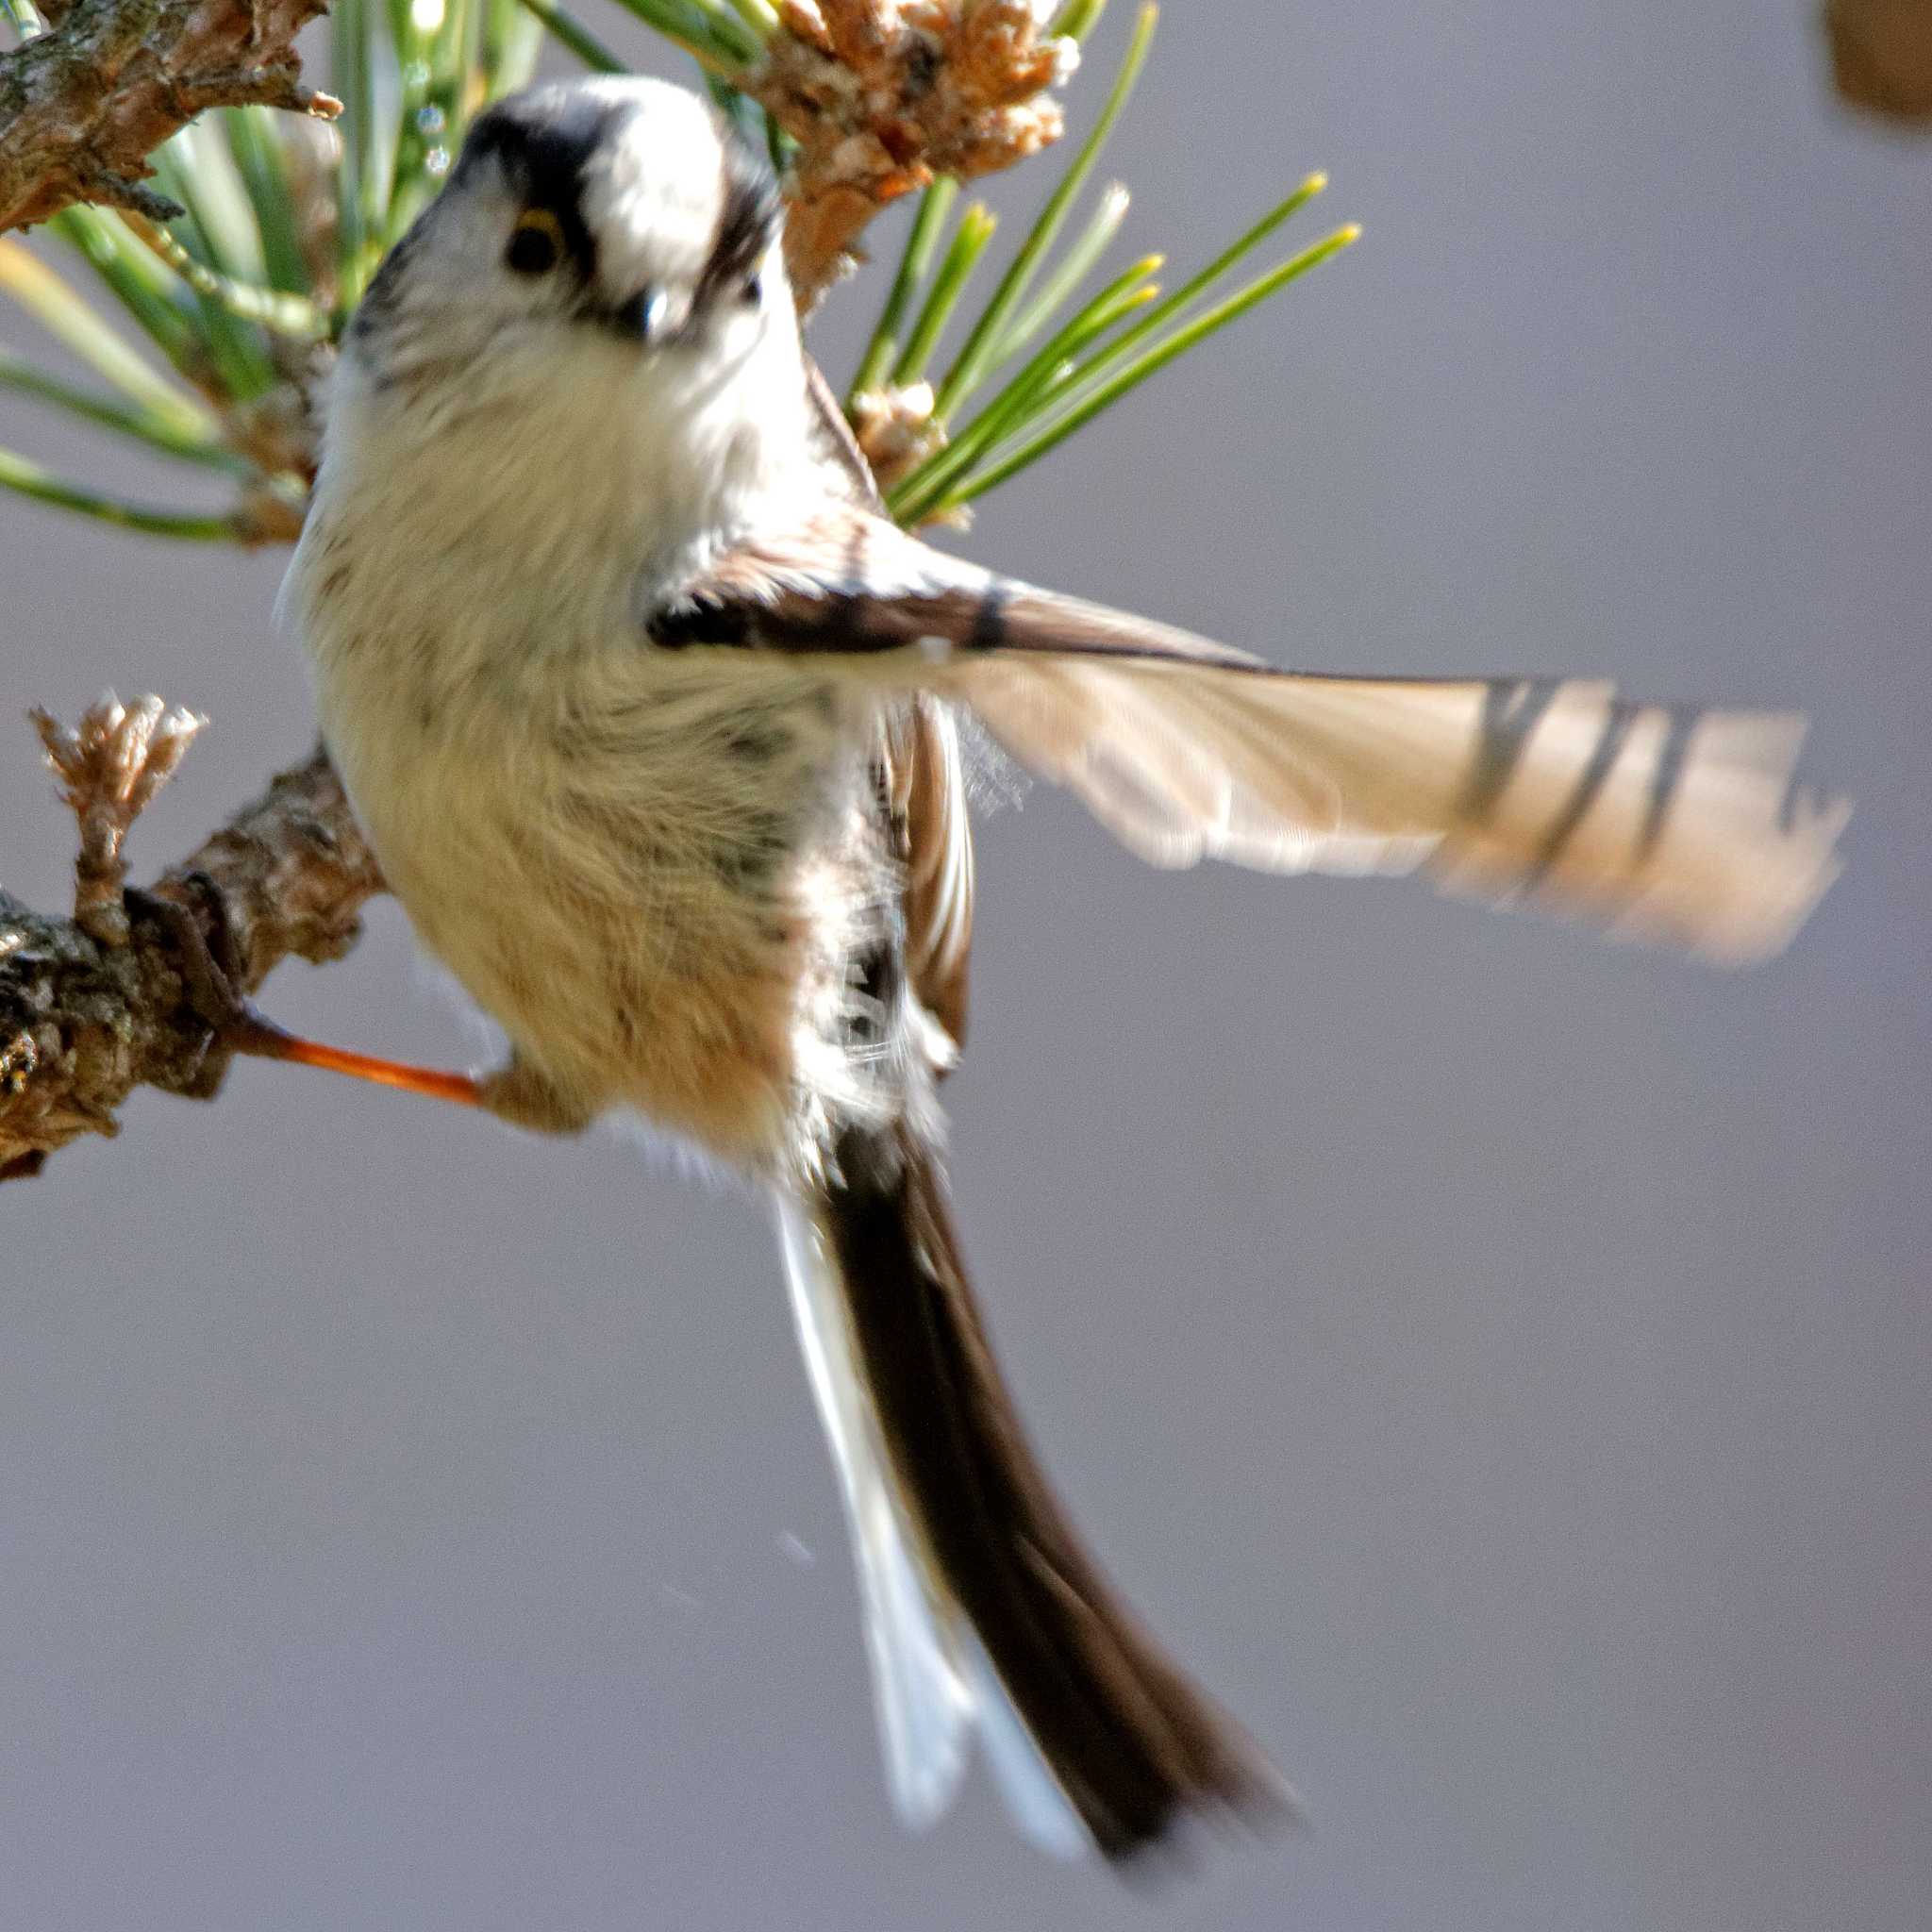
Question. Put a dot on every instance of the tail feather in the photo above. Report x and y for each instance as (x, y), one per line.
(982, 1606)
(924, 1702)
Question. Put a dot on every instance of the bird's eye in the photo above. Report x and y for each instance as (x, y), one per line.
(752, 292)
(536, 243)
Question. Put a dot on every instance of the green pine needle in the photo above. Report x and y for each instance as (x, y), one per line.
(970, 240)
(575, 35)
(712, 34)
(1028, 394)
(350, 76)
(253, 141)
(511, 40)
(1074, 269)
(758, 15)
(154, 296)
(1078, 410)
(915, 264)
(157, 430)
(71, 322)
(980, 353)
(1077, 19)
(30, 479)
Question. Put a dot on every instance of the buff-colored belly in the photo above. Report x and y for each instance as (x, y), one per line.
(637, 917)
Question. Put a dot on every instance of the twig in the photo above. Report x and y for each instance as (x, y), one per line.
(895, 428)
(884, 95)
(83, 1022)
(110, 766)
(83, 104)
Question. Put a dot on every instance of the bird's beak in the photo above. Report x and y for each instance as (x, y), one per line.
(641, 317)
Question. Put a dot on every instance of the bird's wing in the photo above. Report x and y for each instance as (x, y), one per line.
(926, 791)
(1665, 822)
(921, 779)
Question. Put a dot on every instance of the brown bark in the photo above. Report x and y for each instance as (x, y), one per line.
(83, 106)
(87, 1012)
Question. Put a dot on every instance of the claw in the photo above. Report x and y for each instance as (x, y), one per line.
(235, 1027)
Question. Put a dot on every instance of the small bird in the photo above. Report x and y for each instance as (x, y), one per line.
(652, 716)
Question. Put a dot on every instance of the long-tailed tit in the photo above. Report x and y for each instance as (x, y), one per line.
(648, 710)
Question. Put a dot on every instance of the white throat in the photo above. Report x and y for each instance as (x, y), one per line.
(508, 468)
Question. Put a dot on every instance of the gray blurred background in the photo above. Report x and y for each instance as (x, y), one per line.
(1498, 1362)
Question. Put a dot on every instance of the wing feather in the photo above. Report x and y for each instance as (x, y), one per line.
(1663, 822)
(1664, 826)
(926, 791)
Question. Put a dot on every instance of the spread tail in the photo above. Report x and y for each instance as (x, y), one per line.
(982, 1609)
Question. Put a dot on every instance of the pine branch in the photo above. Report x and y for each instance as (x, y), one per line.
(84, 105)
(881, 98)
(94, 1006)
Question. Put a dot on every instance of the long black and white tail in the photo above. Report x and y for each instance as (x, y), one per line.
(983, 1614)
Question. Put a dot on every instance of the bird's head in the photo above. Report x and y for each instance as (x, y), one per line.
(603, 268)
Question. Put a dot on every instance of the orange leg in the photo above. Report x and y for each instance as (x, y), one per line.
(247, 1032)
(237, 1028)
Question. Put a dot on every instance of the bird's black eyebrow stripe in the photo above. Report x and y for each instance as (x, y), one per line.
(747, 218)
(544, 142)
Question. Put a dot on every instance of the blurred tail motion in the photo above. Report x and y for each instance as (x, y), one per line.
(982, 1610)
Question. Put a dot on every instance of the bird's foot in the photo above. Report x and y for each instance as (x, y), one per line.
(235, 1027)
